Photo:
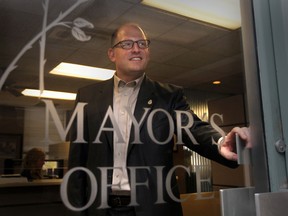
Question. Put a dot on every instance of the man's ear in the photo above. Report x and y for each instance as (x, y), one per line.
(111, 54)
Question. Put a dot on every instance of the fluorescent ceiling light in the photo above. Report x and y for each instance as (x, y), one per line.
(82, 71)
(225, 13)
(49, 94)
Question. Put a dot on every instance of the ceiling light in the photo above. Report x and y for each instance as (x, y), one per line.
(82, 71)
(49, 94)
(225, 13)
(216, 82)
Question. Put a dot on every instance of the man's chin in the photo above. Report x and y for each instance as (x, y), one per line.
(137, 70)
(136, 73)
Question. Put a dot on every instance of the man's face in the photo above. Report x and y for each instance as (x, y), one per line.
(130, 63)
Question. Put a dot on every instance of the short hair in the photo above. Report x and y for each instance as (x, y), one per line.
(32, 157)
(115, 33)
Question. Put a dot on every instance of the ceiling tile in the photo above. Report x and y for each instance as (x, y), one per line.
(183, 51)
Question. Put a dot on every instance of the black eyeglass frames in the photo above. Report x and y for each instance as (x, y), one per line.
(128, 44)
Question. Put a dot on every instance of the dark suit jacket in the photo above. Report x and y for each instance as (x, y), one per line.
(153, 95)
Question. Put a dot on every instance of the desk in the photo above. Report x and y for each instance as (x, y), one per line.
(22, 182)
(205, 203)
(42, 198)
(39, 198)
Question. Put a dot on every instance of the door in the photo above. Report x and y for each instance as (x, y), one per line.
(264, 31)
(271, 39)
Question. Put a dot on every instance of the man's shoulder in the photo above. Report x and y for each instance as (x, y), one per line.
(165, 87)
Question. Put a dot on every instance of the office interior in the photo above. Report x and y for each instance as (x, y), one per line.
(184, 51)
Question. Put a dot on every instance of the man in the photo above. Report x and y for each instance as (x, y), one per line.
(141, 146)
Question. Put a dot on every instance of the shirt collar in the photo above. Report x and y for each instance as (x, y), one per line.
(120, 83)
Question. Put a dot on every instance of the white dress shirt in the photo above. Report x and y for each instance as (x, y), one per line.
(125, 96)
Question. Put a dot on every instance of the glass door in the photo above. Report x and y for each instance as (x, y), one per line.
(265, 52)
(37, 36)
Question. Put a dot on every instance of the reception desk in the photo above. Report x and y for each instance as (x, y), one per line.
(23, 198)
(42, 198)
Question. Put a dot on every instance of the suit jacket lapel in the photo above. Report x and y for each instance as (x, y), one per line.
(145, 99)
(108, 101)
(105, 99)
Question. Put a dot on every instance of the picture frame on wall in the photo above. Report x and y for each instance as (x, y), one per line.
(10, 146)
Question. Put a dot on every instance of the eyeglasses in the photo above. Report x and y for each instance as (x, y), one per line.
(128, 44)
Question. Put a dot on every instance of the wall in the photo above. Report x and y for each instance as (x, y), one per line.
(233, 110)
(34, 128)
(11, 120)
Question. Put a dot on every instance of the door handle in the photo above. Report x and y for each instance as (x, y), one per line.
(244, 154)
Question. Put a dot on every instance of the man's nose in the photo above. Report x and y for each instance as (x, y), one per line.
(135, 47)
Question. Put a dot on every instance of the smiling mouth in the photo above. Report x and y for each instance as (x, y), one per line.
(136, 59)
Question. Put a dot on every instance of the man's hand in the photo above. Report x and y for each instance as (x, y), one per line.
(227, 146)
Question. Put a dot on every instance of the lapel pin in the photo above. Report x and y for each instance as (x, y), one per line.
(150, 102)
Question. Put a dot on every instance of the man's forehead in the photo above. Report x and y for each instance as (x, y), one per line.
(131, 30)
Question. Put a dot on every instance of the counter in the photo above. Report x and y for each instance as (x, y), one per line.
(22, 182)
(40, 197)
